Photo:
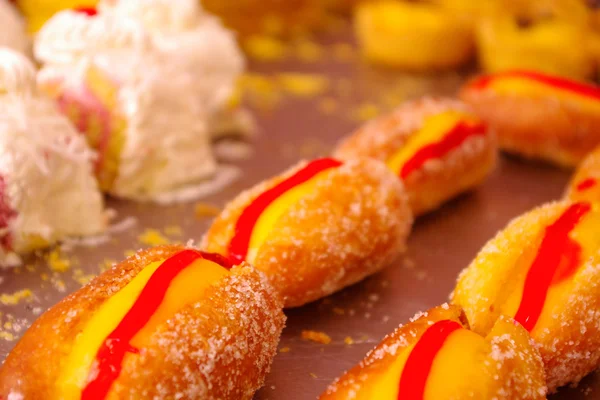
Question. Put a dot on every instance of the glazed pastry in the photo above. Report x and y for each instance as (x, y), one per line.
(316, 228)
(437, 357)
(169, 322)
(14, 35)
(585, 184)
(436, 146)
(47, 188)
(543, 271)
(537, 115)
(415, 36)
(107, 73)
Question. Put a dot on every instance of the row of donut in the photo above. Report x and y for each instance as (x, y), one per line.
(175, 322)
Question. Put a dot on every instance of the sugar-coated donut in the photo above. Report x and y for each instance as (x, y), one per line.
(585, 184)
(538, 115)
(543, 270)
(415, 36)
(167, 323)
(437, 357)
(436, 145)
(316, 228)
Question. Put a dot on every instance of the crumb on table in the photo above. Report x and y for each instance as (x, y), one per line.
(315, 336)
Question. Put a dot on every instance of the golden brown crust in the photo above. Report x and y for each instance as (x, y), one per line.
(570, 344)
(353, 224)
(220, 348)
(438, 180)
(588, 169)
(556, 130)
(515, 365)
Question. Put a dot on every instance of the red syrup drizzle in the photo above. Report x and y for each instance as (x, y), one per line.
(582, 89)
(110, 356)
(454, 138)
(586, 184)
(89, 11)
(557, 259)
(418, 365)
(238, 247)
(7, 214)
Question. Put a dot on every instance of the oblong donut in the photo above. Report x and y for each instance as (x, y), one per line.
(537, 115)
(437, 357)
(543, 270)
(213, 334)
(585, 183)
(461, 154)
(344, 222)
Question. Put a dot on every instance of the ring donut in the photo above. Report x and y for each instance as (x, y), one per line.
(435, 145)
(437, 357)
(538, 115)
(316, 228)
(189, 320)
(543, 270)
(585, 184)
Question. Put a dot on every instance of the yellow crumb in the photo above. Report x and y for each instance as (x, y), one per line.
(129, 253)
(152, 237)
(8, 325)
(106, 264)
(265, 48)
(204, 210)
(173, 230)
(366, 112)
(303, 85)
(313, 375)
(284, 350)
(9, 337)
(81, 277)
(308, 51)
(44, 276)
(339, 311)
(328, 105)
(16, 297)
(57, 262)
(315, 336)
(348, 340)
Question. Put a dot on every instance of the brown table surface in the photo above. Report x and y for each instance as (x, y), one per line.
(441, 244)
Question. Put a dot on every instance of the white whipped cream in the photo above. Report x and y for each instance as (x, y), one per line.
(45, 164)
(174, 68)
(12, 29)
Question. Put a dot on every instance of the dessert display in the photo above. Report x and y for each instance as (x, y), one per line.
(584, 185)
(437, 356)
(542, 270)
(168, 322)
(106, 70)
(539, 116)
(437, 146)
(317, 228)
(415, 36)
(14, 35)
(47, 187)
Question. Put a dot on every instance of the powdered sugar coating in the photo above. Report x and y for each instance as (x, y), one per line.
(354, 222)
(438, 179)
(221, 347)
(570, 342)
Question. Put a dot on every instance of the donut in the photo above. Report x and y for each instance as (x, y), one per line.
(585, 182)
(318, 227)
(436, 356)
(414, 36)
(543, 270)
(106, 70)
(537, 36)
(537, 115)
(435, 145)
(47, 187)
(168, 322)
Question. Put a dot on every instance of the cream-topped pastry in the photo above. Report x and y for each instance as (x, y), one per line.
(47, 188)
(143, 96)
(13, 32)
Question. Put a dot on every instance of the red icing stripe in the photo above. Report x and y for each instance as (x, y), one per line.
(7, 214)
(89, 11)
(418, 365)
(586, 184)
(557, 259)
(454, 138)
(238, 247)
(591, 91)
(110, 356)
